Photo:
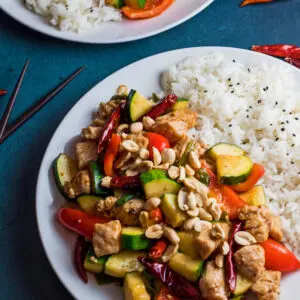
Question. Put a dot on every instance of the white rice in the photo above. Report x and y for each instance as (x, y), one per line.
(73, 15)
(234, 106)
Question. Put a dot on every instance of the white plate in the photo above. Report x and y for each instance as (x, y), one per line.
(110, 32)
(59, 242)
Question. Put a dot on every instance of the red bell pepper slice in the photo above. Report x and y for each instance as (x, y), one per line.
(158, 249)
(165, 294)
(279, 258)
(79, 221)
(158, 141)
(231, 202)
(79, 255)
(256, 173)
(2, 92)
(111, 153)
(156, 215)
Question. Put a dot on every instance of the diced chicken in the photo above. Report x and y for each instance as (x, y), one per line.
(91, 133)
(80, 184)
(175, 125)
(274, 224)
(255, 223)
(267, 287)
(250, 261)
(86, 152)
(106, 109)
(107, 238)
(212, 284)
(205, 244)
(128, 214)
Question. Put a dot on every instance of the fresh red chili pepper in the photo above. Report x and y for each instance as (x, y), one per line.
(110, 126)
(79, 255)
(2, 92)
(256, 173)
(156, 215)
(293, 61)
(279, 258)
(158, 249)
(79, 221)
(295, 53)
(158, 141)
(280, 50)
(162, 107)
(165, 294)
(177, 284)
(111, 153)
(125, 182)
(231, 273)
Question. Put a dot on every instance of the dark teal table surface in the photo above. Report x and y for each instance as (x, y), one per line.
(24, 270)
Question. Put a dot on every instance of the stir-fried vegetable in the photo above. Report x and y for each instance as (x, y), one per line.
(158, 141)
(125, 182)
(111, 153)
(79, 255)
(163, 106)
(158, 249)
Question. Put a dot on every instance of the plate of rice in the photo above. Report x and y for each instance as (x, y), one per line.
(99, 21)
(241, 97)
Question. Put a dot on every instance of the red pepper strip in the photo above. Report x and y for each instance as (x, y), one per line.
(165, 294)
(154, 11)
(158, 249)
(156, 215)
(158, 141)
(248, 2)
(256, 173)
(79, 255)
(280, 50)
(79, 221)
(162, 106)
(279, 258)
(230, 268)
(110, 126)
(2, 92)
(177, 284)
(111, 153)
(295, 53)
(293, 61)
(125, 182)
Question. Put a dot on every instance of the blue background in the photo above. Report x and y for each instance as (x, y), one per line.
(24, 270)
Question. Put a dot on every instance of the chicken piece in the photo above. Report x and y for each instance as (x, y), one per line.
(107, 238)
(205, 244)
(273, 222)
(80, 184)
(175, 125)
(128, 214)
(250, 261)
(212, 283)
(106, 109)
(267, 287)
(140, 139)
(91, 133)
(86, 152)
(255, 223)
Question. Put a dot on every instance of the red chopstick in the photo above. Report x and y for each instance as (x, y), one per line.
(36, 107)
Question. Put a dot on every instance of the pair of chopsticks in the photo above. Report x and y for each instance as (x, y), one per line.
(6, 132)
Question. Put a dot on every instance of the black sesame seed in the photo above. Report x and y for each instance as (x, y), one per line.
(230, 85)
(205, 91)
(238, 83)
(232, 92)
(276, 139)
(282, 123)
(297, 118)
(259, 101)
(230, 125)
(292, 163)
(287, 154)
(247, 110)
(290, 113)
(287, 121)
(284, 110)
(247, 116)
(293, 134)
(229, 79)
(233, 60)
(276, 103)
(248, 70)
(271, 124)
(250, 107)
(292, 145)
(282, 129)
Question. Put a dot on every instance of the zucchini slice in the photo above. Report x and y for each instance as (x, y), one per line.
(64, 169)
(137, 105)
(97, 176)
(233, 169)
(256, 196)
(88, 203)
(135, 287)
(133, 238)
(92, 263)
(242, 285)
(181, 103)
(224, 149)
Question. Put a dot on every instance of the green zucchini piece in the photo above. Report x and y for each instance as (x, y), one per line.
(202, 176)
(191, 146)
(88, 203)
(242, 285)
(64, 169)
(123, 262)
(233, 169)
(137, 105)
(256, 196)
(115, 3)
(92, 263)
(133, 238)
(186, 266)
(125, 198)
(97, 176)
(181, 103)
(224, 149)
(156, 183)
(186, 244)
(135, 287)
(103, 279)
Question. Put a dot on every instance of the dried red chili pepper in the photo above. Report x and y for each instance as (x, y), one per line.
(79, 255)
(295, 53)
(177, 284)
(110, 126)
(158, 249)
(280, 50)
(165, 294)
(248, 2)
(293, 61)
(162, 106)
(3, 92)
(125, 182)
(230, 268)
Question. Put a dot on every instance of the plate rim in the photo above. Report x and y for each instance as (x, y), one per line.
(55, 34)
(173, 52)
